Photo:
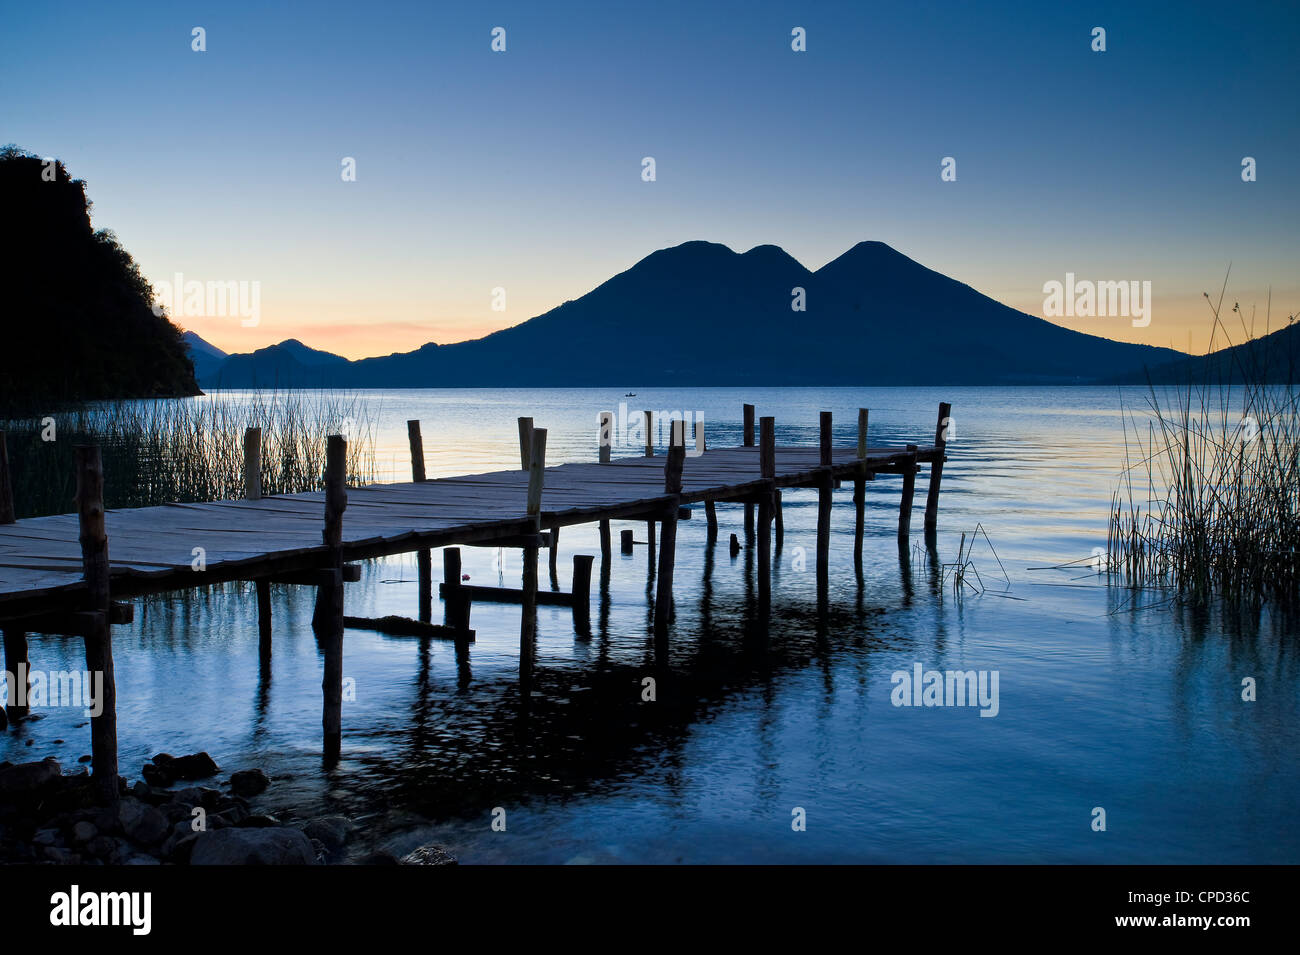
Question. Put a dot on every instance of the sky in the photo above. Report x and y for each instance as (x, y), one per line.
(478, 170)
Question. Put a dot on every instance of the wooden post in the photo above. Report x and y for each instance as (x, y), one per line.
(668, 541)
(423, 556)
(701, 444)
(99, 638)
(766, 468)
(264, 618)
(17, 663)
(905, 505)
(528, 620)
(6, 485)
(779, 511)
(860, 489)
(525, 442)
(253, 464)
(747, 436)
(553, 554)
(582, 591)
(417, 450)
(710, 523)
(605, 436)
(456, 605)
(330, 594)
(824, 487)
(626, 542)
(735, 545)
(649, 434)
(936, 469)
(605, 441)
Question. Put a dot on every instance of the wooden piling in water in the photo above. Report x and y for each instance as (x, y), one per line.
(825, 484)
(710, 523)
(582, 592)
(668, 541)
(6, 484)
(905, 504)
(330, 594)
(17, 663)
(747, 436)
(525, 442)
(253, 464)
(626, 541)
(860, 490)
(766, 504)
(936, 468)
(605, 441)
(98, 634)
(456, 601)
(423, 556)
(528, 618)
(263, 587)
(734, 545)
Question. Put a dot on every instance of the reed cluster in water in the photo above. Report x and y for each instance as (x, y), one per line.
(1209, 499)
(186, 450)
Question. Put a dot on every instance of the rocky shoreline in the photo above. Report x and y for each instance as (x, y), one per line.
(51, 818)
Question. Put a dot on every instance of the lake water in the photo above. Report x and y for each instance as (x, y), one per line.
(1138, 712)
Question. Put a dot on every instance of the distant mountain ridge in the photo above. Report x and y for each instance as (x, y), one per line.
(700, 313)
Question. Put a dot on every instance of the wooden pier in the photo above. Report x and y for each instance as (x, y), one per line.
(69, 573)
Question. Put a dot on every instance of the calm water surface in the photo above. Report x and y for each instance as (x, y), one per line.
(1135, 711)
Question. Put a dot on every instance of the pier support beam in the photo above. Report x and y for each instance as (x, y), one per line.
(329, 597)
(767, 500)
(604, 442)
(582, 592)
(778, 510)
(710, 523)
(936, 469)
(423, 556)
(626, 541)
(455, 598)
(17, 663)
(825, 486)
(263, 618)
(668, 545)
(98, 634)
(747, 435)
(553, 555)
(253, 464)
(528, 617)
(860, 490)
(905, 504)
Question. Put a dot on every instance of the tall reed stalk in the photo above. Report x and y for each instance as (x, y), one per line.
(1209, 498)
(188, 449)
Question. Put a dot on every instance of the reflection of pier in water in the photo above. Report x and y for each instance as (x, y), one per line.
(56, 574)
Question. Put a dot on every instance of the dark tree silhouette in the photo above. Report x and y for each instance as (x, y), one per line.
(77, 318)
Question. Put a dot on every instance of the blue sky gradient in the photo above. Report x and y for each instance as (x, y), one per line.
(522, 169)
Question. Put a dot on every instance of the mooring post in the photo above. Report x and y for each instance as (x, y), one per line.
(423, 556)
(253, 464)
(456, 605)
(330, 593)
(710, 523)
(747, 436)
(766, 468)
(553, 553)
(605, 442)
(582, 592)
(668, 542)
(860, 489)
(17, 663)
(263, 618)
(905, 505)
(528, 621)
(6, 485)
(936, 468)
(98, 636)
(825, 484)
(649, 434)
(778, 509)
(525, 442)
(734, 545)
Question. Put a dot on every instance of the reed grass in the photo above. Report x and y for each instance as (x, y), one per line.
(186, 450)
(1208, 505)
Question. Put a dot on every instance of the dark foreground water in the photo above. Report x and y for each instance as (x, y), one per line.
(1138, 712)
